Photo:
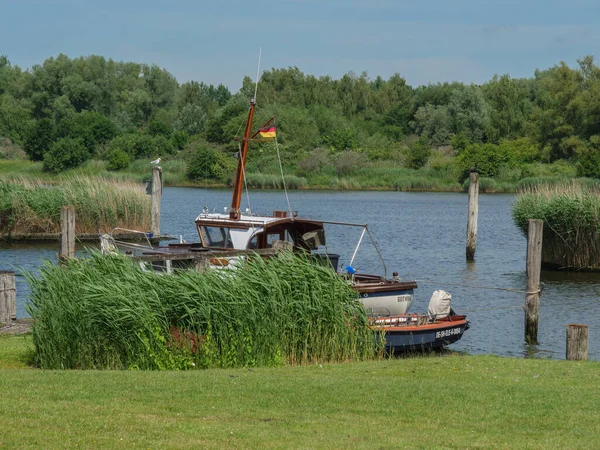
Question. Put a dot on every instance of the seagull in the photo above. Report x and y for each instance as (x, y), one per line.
(156, 161)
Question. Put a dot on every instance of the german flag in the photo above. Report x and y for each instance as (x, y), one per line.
(267, 132)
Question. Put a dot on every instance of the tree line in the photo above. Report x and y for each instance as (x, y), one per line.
(66, 111)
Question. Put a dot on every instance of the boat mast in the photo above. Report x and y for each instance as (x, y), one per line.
(236, 197)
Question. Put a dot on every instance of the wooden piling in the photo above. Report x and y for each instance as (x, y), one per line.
(472, 215)
(534, 268)
(577, 342)
(8, 297)
(156, 195)
(67, 232)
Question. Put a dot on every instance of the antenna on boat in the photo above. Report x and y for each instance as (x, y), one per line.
(257, 73)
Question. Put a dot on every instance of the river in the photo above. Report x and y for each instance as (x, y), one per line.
(422, 236)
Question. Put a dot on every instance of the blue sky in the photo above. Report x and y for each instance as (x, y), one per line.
(218, 41)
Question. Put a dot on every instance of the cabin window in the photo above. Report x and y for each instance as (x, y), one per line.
(219, 237)
(284, 236)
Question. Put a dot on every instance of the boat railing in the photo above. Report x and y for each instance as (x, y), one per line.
(365, 230)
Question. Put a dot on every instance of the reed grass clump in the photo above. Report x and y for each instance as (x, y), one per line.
(571, 215)
(274, 181)
(104, 312)
(32, 206)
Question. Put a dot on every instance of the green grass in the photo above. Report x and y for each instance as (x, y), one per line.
(16, 352)
(105, 312)
(421, 402)
(571, 214)
(31, 205)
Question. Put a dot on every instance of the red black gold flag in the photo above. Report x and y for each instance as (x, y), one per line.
(267, 132)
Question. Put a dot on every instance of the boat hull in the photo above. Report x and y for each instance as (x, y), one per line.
(402, 336)
(385, 298)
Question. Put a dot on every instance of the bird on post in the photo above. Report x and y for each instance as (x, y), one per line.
(156, 161)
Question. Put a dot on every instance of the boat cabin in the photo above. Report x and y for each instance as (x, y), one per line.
(220, 232)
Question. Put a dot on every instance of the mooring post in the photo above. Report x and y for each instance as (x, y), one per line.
(577, 342)
(67, 232)
(472, 214)
(156, 194)
(534, 269)
(8, 297)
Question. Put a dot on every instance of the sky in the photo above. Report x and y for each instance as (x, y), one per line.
(218, 41)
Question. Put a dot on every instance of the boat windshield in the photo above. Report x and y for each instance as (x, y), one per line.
(216, 236)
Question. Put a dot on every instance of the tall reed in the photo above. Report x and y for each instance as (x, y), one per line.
(571, 215)
(105, 312)
(31, 205)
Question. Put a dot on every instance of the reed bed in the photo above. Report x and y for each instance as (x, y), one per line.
(274, 181)
(32, 206)
(104, 312)
(571, 215)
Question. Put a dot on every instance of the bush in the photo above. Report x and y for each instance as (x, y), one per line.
(418, 154)
(38, 139)
(487, 158)
(93, 128)
(341, 139)
(589, 159)
(117, 159)
(179, 139)
(460, 141)
(209, 164)
(347, 162)
(65, 153)
(139, 146)
(520, 151)
(313, 163)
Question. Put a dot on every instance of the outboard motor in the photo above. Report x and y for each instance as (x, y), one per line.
(439, 305)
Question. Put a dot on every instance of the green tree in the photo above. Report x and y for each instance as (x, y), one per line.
(486, 158)
(209, 164)
(588, 164)
(117, 159)
(340, 140)
(38, 139)
(418, 154)
(434, 124)
(65, 153)
(469, 112)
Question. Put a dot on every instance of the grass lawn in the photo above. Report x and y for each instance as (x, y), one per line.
(420, 402)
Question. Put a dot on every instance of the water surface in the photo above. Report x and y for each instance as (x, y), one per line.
(422, 236)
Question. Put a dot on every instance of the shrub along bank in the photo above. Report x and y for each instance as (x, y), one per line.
(104, 312)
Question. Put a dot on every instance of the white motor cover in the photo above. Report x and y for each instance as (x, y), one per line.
(439, 305)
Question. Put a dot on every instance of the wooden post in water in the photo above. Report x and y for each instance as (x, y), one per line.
(8, 297)
(534, 269)
(156, 194)
(67, 232)
(472, 214)
(577, 342)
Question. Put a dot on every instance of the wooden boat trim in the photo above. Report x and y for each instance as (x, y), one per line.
(384, 286)
(440, 324)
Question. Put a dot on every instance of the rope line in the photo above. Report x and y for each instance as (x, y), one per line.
(491, 309)
(245, 180)
(282, 176)
(520, 291)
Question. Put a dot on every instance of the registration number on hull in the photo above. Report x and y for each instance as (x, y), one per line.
(405, 298)
(447, 333)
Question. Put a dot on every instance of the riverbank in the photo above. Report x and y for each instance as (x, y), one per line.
(419, 402)
(384, 176)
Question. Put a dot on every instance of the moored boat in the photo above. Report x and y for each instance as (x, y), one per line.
(410, 332)
(232, 235)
